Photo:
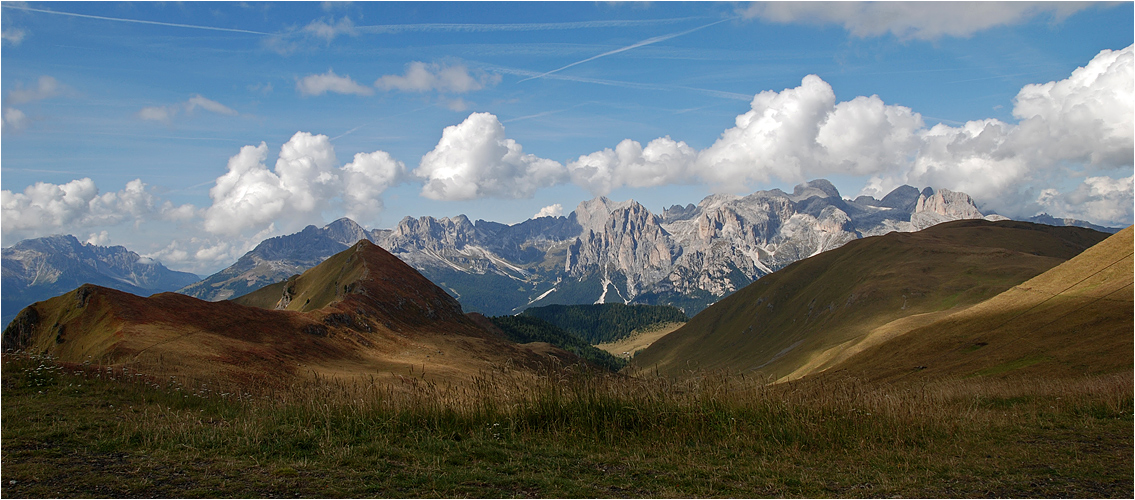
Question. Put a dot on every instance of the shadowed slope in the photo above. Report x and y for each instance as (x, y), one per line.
(360, 313)
(1074, 319)
(797, 320)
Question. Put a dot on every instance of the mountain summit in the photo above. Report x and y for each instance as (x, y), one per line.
(360, 311)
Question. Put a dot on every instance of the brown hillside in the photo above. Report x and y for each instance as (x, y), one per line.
(367, 314)
(1075, 319)
(808, 316)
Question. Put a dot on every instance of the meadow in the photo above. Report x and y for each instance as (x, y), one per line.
(88, 431)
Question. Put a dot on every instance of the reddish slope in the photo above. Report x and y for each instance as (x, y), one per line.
(362, 312)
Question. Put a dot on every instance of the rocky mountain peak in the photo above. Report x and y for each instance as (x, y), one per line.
(817, 188)
(345, 231)
(902, 198)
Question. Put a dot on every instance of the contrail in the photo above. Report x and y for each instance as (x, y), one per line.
(138, 21)
(396, 28)
(349, 132)
(648, 41)
(631, 85)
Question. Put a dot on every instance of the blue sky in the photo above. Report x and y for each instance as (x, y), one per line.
(140, 124)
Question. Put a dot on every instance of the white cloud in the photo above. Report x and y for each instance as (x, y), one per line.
(305, 183)
(158, 113)
(1097, 199)
(802, 133)
(165, 114)
(458, 104)
(330, 82)
(1070, 128)
(248, 195)
(1085, 120)
(1086, 117)
(14, 120)
(554, 210)
(13, 35)
(911, 20)
(328, 30)
(475, 160)
(197, 101)
(364, 181)
(46, 208)
(100, 239)
(422, 77)
(662, 161)
(45, 87)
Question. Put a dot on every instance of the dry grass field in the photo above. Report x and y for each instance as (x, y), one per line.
(638, 340)
(75, 431)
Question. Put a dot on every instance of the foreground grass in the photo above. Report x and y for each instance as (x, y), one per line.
(73, 431)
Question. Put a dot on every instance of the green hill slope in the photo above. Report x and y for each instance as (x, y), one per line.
(599, 323)
(523, 330)
(798, 319)
(1074, 319)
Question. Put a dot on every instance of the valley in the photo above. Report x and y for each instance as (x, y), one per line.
(970, 358)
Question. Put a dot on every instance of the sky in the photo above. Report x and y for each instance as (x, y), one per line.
(189, 132)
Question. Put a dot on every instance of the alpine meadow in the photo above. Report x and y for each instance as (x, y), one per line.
(567, 250)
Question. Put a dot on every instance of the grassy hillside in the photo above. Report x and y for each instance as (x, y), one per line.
(600, 323)
(1074, 319)
(802, 314)
(71, 431)
(360, 313)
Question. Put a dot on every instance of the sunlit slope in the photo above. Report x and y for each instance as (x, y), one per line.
(362, 312)
(1074, 319)
(807, 313)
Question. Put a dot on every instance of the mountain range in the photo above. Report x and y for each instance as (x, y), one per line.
(606, 251)
(361, 312)
(603, 252)
(41, 268)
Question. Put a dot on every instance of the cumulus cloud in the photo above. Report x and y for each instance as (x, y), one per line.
(1098, 199)
(801, 133)
(911, 20)
(364, 181)
(305, 182)
(1075, 127)
(474, 160)
(1086, 117)
(45, 208)
(330, 82)
(165, 114)
(422, 77)
(554, 210)
(1084, 121)
(662, 161)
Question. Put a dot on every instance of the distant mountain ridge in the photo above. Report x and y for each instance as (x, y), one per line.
(41, 268)
(361, 312)
(607, 251)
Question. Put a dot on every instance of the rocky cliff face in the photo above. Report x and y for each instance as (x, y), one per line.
(605, 251)
(41, 268)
